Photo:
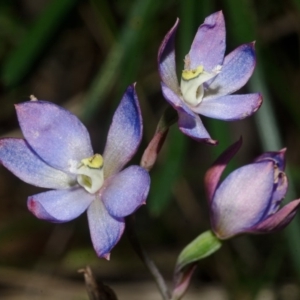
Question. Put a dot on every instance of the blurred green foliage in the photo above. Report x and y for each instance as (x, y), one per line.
(82, 55)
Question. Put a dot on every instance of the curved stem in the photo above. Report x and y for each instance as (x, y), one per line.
(140, 251)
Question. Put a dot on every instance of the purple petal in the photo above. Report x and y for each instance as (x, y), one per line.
(175, 100)
(237, 69)
(281, 182)
(278, 194)
(125, 133)
(189, 123)
(60, 206)
(193, 127)
(242, 198)
(126, 191)
(105, 230)
(166, 60)
(230, 107)
(55, 134)
(208, 47)
(277, 221)
(277, 156)
(214, 173)
(19, 158)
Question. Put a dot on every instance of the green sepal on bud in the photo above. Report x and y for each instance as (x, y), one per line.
(202, 246)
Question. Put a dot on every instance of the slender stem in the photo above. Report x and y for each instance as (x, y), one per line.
(140, 251)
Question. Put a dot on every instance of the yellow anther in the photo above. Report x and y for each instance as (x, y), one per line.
(93, 162)
(190, 74)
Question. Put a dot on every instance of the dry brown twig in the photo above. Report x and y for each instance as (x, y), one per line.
(96, 291)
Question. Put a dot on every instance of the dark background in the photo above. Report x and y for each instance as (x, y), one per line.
(82, 55)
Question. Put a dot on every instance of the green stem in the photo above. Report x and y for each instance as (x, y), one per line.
(140, 251)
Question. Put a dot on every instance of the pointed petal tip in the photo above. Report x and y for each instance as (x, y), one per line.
(38, 211)
(31, 204)
(259, 102)
(127, 122)
(166, 39)
(131, 88)
(217, 14)
(281, 154)
(283, 151)
(133, 85)
(176, 23)
(105, 256)
(220, 13)
(278, 157)
(211, 142)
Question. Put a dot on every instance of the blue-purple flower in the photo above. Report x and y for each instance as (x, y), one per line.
(208, 79)
(249, 199)
(56, 153)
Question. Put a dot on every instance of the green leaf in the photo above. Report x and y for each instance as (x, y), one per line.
(203, 246)
(131, 40)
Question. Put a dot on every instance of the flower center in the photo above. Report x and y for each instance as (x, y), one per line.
(192, 83)
(90, 173)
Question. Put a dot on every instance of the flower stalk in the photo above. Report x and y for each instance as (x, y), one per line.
(142, 254)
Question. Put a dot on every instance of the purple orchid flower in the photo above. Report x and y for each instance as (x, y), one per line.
(248, 200)
(208, 79)
(56, 153)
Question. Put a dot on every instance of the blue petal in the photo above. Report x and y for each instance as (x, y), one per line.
(277, 156)
(60, 206)
(124, 135)
(279, 192)
(230, 107)
(209, 44)
(237, 69)
(105, 230)
(189, 123)
(126, 191)
(20, 159)
(175, 100)
(55, 134)
(193, 127)
(166, 60)
(242, 199)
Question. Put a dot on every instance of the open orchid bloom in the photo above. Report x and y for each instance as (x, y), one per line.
(56, 153)
(249, 199)
(208, 79)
